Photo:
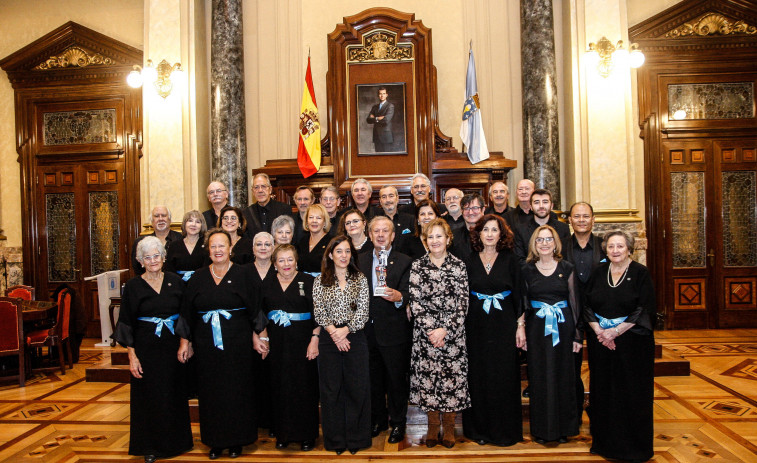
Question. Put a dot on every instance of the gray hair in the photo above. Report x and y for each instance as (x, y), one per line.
(378, 219)
(396, 193)
(362, 180)
(147, 244)
(263, 175)
(194, 214)
(280, 222)
(262, 234)
(152, 212)
(330, 188)
(630, 241)
(420, 175)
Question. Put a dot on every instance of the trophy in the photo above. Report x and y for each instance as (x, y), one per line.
(380, 288)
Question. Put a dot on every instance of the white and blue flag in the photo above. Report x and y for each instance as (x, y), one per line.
(472, 129)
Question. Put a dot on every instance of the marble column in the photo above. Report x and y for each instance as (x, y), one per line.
(228, 156)
(541, 154)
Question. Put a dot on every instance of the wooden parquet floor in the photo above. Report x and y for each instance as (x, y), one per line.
(709, 416)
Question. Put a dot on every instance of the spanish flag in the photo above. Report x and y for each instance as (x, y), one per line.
(309, 149)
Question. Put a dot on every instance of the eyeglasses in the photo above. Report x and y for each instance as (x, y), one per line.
(452, 198)
(230, 218)
(472, 208)
(261, 187)
(215, 192)
(545, 239)
(154, 257)
(420, 187)
(352, 222)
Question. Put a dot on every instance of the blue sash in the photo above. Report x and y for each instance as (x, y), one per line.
(313, 274)
(552, 315)
(215, 323)
(161, 322)
(489, 300)
(282, 318)
(186, 274)
(606, 323)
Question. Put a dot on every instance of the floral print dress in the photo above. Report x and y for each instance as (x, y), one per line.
(439, 299)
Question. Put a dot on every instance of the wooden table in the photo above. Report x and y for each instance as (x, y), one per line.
(38, 310)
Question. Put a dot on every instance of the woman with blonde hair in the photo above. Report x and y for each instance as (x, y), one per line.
(312, 246)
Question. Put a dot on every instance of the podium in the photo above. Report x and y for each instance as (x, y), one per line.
(108, 285)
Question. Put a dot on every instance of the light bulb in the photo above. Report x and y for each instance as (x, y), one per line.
(134, 79)
(636, 58)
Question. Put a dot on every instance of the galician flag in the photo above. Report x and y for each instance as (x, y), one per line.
(472, 129)
(309, 149)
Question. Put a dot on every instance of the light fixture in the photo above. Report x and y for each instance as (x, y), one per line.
(605, 56)
(163, 78)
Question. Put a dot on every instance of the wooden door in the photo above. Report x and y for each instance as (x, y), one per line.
(79, 223)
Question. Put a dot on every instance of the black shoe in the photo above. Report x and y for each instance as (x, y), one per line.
(307, 445)
(339, 451)
(234, 452)
(377, 428)
(281, 445)
(481, 442)
(562, 439)
(150, 458)
(215, 453)
(271, 433)
(526, 393)
(354, 451)
(539, 440)
(397, 434)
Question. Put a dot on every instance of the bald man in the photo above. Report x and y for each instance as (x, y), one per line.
(521, 213)
(454, 217)
(218, 195)
(499, 199)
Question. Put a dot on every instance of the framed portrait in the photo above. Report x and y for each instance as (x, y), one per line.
(381, 119)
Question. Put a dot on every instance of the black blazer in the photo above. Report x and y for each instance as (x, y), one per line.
(251, 215)
(526, 229)
(388, 325)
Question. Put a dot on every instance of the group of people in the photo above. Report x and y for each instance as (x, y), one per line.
(270, 314)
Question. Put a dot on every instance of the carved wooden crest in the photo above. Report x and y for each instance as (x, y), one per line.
(74, 57)
(712, 24)
(378, 46)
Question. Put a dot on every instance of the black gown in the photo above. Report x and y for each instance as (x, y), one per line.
(225, 381)
(179, 260)
(241, 252)
(294, 378)
(261, 368)
(365, 251)
(621, 382)
(308, 261)
(160, 423)
(551, 371)
(493, 366)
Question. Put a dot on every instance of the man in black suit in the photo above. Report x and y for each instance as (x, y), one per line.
(522, 211)
(264, 210)
(541, 206)
(160, 218)
(304, 196)
(404, 224)
(389, 332)
(473, 210)
(420, 189)
(381, 117)
(584, 250)
(218, 195)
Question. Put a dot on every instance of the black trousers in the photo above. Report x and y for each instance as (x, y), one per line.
(343, 378)
(578, 358)
(390, 383)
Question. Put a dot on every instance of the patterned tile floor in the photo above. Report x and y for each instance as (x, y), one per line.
(706, 417)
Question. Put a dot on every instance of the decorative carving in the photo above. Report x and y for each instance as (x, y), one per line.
(75, 57)
(379, 46)
(712, 24)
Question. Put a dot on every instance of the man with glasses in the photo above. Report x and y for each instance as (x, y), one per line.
(499, 200)
(262, 212)
(473, 210)
(160, 218)
(541, 207)
(403, 223)
(361, 192)
(522, 211)
(218, 195)
(304, 196)
(583, 249)
(454, 216)
(331, 200)
(420, 189)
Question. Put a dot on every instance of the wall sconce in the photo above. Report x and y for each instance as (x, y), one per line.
(163, 78)
(605, 56)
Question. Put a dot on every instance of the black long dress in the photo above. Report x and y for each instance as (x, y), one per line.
(493, 367)
(310, 261)
(261, 368)
(160, 423)
(180, 260)
(551, 372)
(294, 378)
(225, 384)
(621, 382)
(241, 252)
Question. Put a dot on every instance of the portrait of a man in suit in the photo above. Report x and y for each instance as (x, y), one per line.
(382, 123)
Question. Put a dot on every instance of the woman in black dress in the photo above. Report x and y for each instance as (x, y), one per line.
(552, 310)
(150, 327)
(353, 224)
(493, 335)
(620, 310)
(190, 254)
(293, 334)
(413, 246)
(263, 273)
(340, 306)
(221, 304)
(232, 221)
(312, 246)
(282, 229)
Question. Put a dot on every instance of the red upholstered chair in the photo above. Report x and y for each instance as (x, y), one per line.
(12, 334)
(58, 334)
(24, 292)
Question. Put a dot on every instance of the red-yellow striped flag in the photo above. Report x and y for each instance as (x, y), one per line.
(309, 149)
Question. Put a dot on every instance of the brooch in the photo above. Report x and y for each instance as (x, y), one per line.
(302, 287)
